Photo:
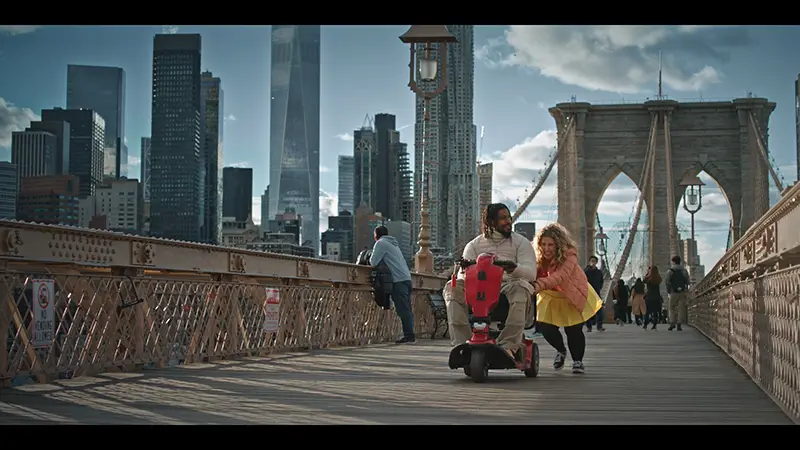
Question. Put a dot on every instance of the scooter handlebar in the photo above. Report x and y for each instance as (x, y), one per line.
(506, 264)
(464, 263)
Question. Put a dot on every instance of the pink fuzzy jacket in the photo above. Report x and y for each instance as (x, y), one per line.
(567, 278)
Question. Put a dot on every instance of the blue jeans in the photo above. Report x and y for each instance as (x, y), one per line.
(597, 319)
(599, 316)
(401, 297)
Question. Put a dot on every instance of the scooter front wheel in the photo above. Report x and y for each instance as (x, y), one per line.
(533, 371)
(478, 368)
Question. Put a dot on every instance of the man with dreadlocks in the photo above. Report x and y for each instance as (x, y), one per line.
(497, 238)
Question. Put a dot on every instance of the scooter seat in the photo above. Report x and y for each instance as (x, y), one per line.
(500, 312)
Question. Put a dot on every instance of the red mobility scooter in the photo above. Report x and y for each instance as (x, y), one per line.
(482, 283)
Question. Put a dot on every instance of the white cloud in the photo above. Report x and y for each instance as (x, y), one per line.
(515, 169)
(134, 166)
(345, 136)
(18, 29)
(230, 118)
(324, 169)
(621, 59)
(256, 205)
(709, 254)
(328, 204)
(13, 118)
(170, 29)
(240, 164)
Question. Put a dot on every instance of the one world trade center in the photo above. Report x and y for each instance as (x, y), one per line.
(294, 127)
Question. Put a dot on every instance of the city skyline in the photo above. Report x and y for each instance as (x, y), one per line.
(509, 102)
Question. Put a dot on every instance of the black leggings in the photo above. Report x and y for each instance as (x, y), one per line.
(575, 339)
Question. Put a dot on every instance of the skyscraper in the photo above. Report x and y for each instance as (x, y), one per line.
(401, 180)
(33, 153)
(86, 144)
(237, 193)
(797, 122)
(385, 136)
(9, 190)
(294, 127)
(450, 153)
(102, 89)
(265, 210)
(485, 175)
(212, 114)
(177, 206)
(63, 134)
(364, 179)
(145, 168)
(346, 183)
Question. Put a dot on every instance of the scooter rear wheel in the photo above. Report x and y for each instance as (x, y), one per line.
(478, 368)
(533, 371)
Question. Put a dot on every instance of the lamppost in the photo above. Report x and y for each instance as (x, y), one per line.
(600, 248)
(692, 203)
(600, 243)
(428, 35)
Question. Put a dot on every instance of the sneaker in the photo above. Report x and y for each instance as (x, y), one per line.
(679, 327)
(558, 363)
(406, 340)
(577, 367)
(531, 334)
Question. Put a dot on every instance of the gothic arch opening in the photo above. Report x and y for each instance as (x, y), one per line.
(615, 206)
(713, 226)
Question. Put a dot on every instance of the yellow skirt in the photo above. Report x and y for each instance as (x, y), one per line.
(553, 308)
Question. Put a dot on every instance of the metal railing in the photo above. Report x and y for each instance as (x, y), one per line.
(749, 303)
(76, 302)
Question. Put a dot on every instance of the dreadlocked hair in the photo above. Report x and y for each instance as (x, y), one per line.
(489, 220)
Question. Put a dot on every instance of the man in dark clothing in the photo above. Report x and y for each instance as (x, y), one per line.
(387, 250)
(595, 277)
(677, 282)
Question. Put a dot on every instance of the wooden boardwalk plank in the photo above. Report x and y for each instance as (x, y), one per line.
(632, 377)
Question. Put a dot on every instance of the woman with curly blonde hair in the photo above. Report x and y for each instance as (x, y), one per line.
(564, 297)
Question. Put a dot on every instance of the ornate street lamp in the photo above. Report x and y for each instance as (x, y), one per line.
(692, 203)
(600, 240)
(428, 69)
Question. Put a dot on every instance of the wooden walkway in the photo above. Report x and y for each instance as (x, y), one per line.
(633, 377)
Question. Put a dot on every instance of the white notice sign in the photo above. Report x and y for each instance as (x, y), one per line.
(43, 318)
(272, 320)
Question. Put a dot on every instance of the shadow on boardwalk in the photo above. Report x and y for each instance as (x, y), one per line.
(632, 377)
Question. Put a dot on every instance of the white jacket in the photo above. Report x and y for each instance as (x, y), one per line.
(517, 248)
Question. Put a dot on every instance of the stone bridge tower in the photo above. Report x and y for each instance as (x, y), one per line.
(715, 137)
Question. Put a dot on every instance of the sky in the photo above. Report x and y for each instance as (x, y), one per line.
(520, 71)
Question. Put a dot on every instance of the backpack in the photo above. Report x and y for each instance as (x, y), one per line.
(363, 258)
(678, 281)
(381, 279)
(382, 285)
